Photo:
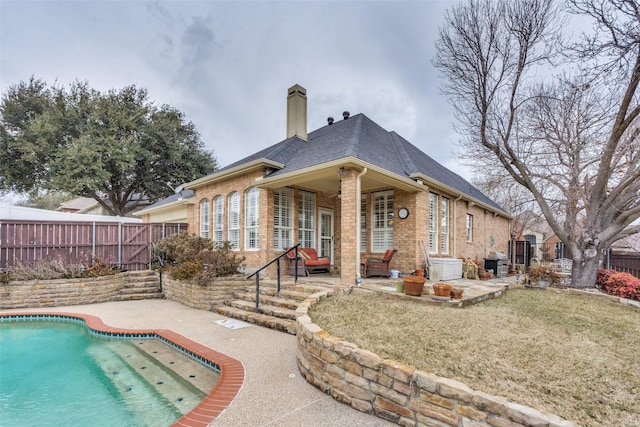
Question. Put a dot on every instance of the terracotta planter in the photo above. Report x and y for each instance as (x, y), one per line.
(442, 289)
(420, 272)
(413, 285)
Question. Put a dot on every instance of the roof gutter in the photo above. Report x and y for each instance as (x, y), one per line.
(422, 177)
(228, 173)
(404, 183)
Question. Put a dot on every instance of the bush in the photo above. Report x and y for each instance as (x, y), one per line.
(623, 285)
(49, 269)
(192, 257)
(544, 272)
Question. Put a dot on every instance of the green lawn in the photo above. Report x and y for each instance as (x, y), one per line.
(572, 355)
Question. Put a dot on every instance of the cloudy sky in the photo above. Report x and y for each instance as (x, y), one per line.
(228, 64)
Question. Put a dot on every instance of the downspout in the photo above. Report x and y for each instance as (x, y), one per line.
(455, 226)
(358, 225)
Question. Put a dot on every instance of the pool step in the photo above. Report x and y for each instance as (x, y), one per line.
(132, 387)
(177, 390)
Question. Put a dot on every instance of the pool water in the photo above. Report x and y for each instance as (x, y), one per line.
(59, 374)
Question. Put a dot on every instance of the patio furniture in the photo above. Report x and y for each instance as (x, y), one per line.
(308, 261)
(380, 266)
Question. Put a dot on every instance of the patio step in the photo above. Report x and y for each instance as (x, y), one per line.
(264, 308)
(275, 311)
(268, 299)
(283, 325)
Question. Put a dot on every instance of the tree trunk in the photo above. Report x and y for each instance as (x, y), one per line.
(584, 272)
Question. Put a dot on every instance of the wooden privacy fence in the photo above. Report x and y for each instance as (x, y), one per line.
(123, 245)
(624, 263)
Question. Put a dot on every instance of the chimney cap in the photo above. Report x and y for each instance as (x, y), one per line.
(330, 120)
(345, 115)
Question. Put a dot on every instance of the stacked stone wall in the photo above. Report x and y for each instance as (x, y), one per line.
(203, 297)
(60, 292)
(397, 392)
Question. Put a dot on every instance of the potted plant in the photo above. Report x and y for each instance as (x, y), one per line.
(413, 285)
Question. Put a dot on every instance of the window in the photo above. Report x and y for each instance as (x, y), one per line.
(282, 218)
(363, 223)
(306, 219)
(251, 219)
(382, 225)
(469, 228)
(233, 228)
(444, 225)
(204, 218)
(218, 220)
(433, 223)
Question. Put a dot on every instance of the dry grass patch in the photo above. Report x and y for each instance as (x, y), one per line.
(572, 355)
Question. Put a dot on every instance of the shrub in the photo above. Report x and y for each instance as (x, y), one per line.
(544, 272)
(623, 285)
(192, 257)
(603, 276)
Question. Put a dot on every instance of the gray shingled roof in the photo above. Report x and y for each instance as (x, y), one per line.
(362, 138)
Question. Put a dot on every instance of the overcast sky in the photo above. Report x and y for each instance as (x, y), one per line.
(228, 64)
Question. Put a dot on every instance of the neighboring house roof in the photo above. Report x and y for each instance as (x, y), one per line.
(77, 204)
(168, 202)
(356, 139)
(21, 213)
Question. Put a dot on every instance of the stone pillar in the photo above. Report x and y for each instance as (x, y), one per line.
(348, 230)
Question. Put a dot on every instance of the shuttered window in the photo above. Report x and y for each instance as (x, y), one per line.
(251, 219)
(233, 228)
(306, 219)
(204, 218)
(218, 220)
(433, 223)
(283, 218)
(444, 225)
(382, 223)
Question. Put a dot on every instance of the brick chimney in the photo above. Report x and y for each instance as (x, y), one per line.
(297, 112)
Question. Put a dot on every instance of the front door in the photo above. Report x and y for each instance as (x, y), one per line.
(325, 225)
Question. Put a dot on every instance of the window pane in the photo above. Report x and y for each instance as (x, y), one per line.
(204, 218)
(469, 228)
(382, 224)
(363, 223)
(251, 218)
(444, 225)
(218, 220)
(433, 223)
(234, 221)
(306, 219)
(283, 218)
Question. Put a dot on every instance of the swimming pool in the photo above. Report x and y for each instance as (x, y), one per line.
(60, 370)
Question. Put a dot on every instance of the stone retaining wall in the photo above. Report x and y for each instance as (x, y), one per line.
(202, 297)
(60, 292)
(400, 393)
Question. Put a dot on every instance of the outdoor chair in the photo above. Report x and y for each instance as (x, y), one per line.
(308, 261)
(379, 266)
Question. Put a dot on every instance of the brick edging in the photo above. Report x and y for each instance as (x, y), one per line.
(398, 392)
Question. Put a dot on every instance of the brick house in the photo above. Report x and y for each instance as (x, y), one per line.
(340, 189)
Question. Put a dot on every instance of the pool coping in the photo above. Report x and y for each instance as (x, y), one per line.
(231, 370)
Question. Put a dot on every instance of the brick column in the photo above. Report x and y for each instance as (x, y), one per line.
(348, 230)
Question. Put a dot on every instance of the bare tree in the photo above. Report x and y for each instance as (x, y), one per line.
(572, 139)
